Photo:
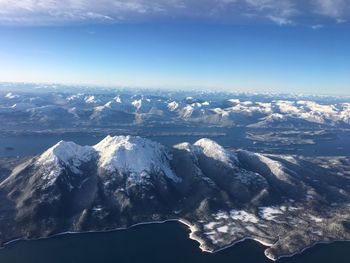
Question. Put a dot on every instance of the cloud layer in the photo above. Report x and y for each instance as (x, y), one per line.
(281, 12)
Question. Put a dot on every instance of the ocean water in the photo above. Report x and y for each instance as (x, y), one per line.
(155, 243)
(24, 145)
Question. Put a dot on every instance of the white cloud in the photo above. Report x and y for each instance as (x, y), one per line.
(280, 20)
(282, 8)
(281, 12)
(331, 8)
(315, 27)
(68, 11)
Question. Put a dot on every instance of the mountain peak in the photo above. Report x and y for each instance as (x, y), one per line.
(61, 156)
(66, 153)
(215, 151)
(133, 154)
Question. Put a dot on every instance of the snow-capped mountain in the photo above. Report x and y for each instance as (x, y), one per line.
(223, 195)
(216, 152)
(134, 155)
(118, 109)
(62, 157)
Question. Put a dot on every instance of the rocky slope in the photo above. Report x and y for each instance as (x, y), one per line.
(287, 203)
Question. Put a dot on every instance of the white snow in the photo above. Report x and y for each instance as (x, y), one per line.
(90, 99)
(221, 112)
(247, 103)
(234, 101)
(275, 116)
(276, 168)
(62, 154)
(316, 219)
(22, 106)
(243, 216)
(269, 213)
(210, 225)
(75, 97)
(221, 215)
(117, 99)
(187, 111)
(172, 106)
(223, 229)
(134, 155)
(184, 146)
(287, 106)
(216, 151)
(313, 106)
(137, 103)
(67, 153)
(10, 95)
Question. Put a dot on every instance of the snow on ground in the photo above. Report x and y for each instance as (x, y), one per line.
(210, 225)
(134, 155)
(316, 219)
(137, 104)
(276, 168)
(10, 95)
(237, 223)
(223, 229)
(172, 106)
(187, 111)
(243, 216)
(90, 99)
(216, 151)
(221, 215)
(270, 213)
(66, 154)
(221, 112)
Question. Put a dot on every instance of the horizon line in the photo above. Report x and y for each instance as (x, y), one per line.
(166, 88)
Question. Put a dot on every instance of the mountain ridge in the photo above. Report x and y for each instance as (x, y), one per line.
(223, 196)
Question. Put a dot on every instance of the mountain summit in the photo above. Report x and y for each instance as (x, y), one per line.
(224, 196)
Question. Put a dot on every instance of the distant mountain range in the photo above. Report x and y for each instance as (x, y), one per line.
(91, 110)
(286, 202)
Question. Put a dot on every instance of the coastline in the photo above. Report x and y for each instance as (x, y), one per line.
(192, 236)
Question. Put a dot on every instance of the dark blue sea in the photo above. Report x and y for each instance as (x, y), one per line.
(155, 243)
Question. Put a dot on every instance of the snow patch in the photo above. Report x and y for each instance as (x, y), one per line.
(10, 96)
(172, 106)
(243, 216)
(270, 213)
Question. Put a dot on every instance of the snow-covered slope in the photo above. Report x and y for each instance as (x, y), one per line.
(216, 152)
(109, 109)
(63, 155)
(274, 167)
(123, 154)
(68, 154)
(129, 154)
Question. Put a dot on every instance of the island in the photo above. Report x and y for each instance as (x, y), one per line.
(286, 202)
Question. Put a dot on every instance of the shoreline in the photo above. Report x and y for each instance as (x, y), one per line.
(308, 247)
(192, 236)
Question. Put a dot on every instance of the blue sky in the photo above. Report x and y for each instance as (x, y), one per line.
(244, 45)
